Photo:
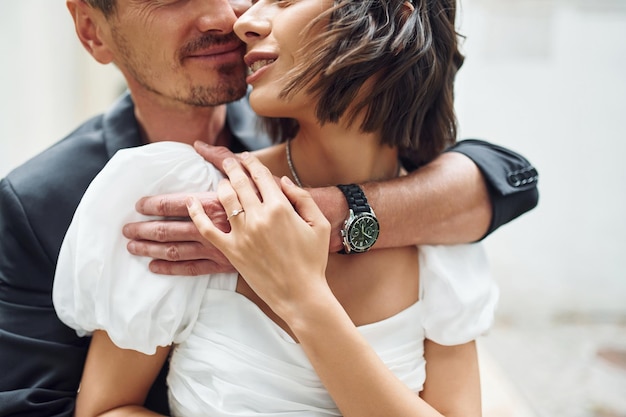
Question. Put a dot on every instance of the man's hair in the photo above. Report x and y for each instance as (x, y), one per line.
(411, 55)
(106, 6)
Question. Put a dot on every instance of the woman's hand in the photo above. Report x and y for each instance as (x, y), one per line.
(278, 239)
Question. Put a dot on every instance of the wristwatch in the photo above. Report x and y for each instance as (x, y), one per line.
(361, 228)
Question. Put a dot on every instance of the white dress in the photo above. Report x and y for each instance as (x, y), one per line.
(229, 358)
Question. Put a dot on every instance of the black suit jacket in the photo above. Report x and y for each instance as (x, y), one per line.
(41, 360)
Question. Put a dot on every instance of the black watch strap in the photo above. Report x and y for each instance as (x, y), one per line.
(355, 197)
(357, 203)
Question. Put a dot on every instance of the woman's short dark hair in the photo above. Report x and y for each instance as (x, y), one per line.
(411, 50)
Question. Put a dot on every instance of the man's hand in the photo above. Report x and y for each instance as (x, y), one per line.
(175, 244)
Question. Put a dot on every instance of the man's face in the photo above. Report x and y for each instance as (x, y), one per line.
(179, 50)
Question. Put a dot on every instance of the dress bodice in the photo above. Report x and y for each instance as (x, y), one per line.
(237, 361)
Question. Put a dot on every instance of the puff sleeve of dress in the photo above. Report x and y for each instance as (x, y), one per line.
(98, 285)
(459, 296)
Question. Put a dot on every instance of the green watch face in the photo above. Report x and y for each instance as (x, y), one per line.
(363, 233)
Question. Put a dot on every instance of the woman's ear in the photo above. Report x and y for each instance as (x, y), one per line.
(89, 24)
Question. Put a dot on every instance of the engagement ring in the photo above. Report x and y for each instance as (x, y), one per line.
(235, 213)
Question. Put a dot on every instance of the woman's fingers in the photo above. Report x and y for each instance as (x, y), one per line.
(263, 179)
(229, 199)
(226, 243)
(303, 203)
(242, 184)
(262, 223)
(204, 224)
(213, 154)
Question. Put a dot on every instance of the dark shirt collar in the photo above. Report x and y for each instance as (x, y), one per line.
(244, 125)
(120, 126)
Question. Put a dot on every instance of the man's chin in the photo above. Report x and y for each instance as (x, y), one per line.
(233, 92)
(229, 85)
(203, 96)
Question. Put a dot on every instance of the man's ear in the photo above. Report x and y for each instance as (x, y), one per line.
(90, 24)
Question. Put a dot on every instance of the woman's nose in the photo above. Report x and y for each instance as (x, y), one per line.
(252, 25)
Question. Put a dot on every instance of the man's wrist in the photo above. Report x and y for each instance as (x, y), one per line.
(334, 206)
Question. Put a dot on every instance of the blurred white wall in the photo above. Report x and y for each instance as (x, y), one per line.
(48, 83)
(546, 78)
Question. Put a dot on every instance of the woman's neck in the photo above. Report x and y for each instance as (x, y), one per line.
(331, 154)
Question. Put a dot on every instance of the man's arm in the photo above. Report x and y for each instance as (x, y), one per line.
(510, 178)
(461, 196)
(444, 202)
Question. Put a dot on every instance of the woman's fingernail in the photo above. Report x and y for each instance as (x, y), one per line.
(244, 155)
(228, 162)
(189, 202)
(288, 181)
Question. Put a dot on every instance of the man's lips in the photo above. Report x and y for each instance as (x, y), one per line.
(217, 50)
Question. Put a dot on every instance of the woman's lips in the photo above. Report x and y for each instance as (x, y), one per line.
(258, 63)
